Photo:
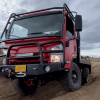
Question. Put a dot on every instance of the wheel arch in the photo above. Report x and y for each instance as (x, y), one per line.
(85, 65)
(81, 65)
(74, 59)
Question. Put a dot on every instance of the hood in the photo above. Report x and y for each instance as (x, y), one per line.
(30, 48)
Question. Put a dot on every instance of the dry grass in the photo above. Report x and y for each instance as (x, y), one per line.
(95, 59)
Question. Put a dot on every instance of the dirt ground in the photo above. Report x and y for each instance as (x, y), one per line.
(54, 91)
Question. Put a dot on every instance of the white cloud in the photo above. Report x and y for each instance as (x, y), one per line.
(88, 46)
(7, 8)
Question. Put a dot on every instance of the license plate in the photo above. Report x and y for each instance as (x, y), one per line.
(20, 68)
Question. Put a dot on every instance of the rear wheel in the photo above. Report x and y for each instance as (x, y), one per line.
(85, 74)
(25, 87)
(71, 80)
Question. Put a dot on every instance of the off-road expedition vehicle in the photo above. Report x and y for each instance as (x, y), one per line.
(43, 45)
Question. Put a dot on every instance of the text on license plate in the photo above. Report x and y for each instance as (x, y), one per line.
(20, 68)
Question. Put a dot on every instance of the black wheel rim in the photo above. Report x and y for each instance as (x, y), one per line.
(74, 77)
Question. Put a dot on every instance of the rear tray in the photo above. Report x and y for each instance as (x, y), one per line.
(83, 61)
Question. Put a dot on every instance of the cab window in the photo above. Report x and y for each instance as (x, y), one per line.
(69, 28)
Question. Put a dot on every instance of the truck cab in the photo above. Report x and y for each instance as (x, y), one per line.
(42, 44)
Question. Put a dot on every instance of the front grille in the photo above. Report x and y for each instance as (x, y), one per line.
(21, 63)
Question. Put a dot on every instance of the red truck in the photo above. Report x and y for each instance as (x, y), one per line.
(43, 45)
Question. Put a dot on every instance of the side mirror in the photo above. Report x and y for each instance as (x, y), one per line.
(78, 23)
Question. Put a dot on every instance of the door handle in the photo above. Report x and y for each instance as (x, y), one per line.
(67, 43)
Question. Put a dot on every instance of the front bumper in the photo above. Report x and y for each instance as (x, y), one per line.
(31, 69)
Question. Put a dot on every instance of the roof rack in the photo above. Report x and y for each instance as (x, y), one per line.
(54, 8)
(68, 11)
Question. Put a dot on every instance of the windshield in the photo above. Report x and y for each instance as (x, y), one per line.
(38, 26)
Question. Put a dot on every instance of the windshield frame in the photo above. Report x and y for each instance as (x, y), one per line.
(35, 15)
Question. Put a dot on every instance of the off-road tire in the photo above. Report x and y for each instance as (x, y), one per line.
(85, 74)
(67, 81)
(22, 89)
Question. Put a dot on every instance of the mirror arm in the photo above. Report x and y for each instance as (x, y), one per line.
(78, 47)
(71, 12)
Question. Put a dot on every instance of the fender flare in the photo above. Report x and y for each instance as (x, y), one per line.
(74, 59)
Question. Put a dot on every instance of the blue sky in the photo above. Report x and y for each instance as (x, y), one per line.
(89, 9)
(92, 53)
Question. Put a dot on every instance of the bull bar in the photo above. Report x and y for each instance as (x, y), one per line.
(33, 69)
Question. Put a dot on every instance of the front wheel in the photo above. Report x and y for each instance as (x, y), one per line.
(71, 80)
(25, 87)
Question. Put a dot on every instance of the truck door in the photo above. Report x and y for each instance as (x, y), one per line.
(70, 49)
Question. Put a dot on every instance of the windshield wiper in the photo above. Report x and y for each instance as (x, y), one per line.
(34, 33)
(52, 32)
(14, 36)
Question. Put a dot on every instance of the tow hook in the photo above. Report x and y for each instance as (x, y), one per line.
(9, 72)
(29, 83)
(20, 74)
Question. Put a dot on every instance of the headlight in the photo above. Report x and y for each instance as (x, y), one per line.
(57, 57)
(58, 47)
(4, 52)
(4, 58)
